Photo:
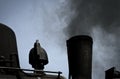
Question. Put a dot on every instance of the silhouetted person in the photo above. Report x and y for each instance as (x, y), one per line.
(38, 56)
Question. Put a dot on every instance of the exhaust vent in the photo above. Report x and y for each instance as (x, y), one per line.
(80, 57)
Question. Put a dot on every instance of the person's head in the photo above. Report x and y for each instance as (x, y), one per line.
(36, 43)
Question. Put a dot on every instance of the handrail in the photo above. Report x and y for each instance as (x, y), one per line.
(13, 68)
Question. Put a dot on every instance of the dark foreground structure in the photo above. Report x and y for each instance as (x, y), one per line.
(9, 61)
(80, 57)
(112, 73)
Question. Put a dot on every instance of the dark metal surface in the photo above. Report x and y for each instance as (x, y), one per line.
(8, 47)
(19, 69)
(112, 73)
(80, 57)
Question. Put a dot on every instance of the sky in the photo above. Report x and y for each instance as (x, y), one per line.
(33, 20)
(99, 19)
(53, 22)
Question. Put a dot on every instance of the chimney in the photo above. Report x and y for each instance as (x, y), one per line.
(80, 57)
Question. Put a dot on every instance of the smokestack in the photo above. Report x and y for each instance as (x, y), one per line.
(80, 57)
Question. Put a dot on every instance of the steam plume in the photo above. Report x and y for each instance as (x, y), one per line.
(99, 19)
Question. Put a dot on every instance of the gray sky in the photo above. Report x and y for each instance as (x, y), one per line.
(101, 20)
(37, 19)
(52, 22)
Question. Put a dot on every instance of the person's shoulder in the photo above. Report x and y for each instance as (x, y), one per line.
(43, 49)
(32, 50)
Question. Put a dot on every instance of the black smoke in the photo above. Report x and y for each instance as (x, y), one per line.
(94, 12)
(101, 20)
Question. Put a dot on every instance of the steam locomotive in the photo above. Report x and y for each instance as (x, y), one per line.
(9, 62)
(79, 58)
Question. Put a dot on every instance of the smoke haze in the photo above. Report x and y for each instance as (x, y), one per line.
(37, 19)
(55, 21)
(101, 20)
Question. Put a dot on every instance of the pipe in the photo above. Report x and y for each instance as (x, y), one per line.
(80, 57)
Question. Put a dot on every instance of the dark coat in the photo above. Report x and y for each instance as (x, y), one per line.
(38, 58)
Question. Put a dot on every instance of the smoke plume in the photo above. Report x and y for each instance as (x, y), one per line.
(101, 20)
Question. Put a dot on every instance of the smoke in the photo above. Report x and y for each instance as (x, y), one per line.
(92, 13)
(101, 20)
(37, 19)
(47, 19)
